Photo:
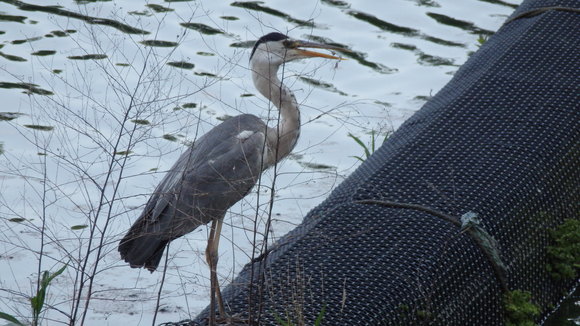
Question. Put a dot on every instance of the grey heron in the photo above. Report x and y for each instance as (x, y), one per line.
(222, 166)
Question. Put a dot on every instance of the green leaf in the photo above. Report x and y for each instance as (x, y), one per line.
(124, 153)
(159, 43)
(181, 64)
(37, 302)
(55, 274)
(189, 105)
(358, 158)
(386, 137)
(10, 318)
(141, 122)
(320, 316)
(358, 141)
(202, 28)
(482, 39)
(44, 52)
(519, 308)
(8, 116)
(373, 144)
(229, 18)
(39, 127)
(169, 137)
(282, 322)
(159, 8)
(88, 57)
(315, 166)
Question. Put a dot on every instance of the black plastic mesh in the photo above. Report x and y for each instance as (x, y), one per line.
(502, 139)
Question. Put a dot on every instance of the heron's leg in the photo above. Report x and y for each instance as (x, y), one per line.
(208, 257)
(211, 254)
(218, 293)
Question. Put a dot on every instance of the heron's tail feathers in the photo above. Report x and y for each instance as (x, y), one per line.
(142, 249)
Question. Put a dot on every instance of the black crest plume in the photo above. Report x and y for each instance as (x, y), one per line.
(271, 37)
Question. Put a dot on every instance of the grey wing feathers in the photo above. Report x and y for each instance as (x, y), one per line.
(215, 173)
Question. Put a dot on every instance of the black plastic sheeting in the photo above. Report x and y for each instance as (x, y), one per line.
(502, 140)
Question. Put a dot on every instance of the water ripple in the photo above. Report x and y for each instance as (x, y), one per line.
(423, 58)
(29, 88)
(65, 13)
(202, 28)
(322, 85)
(12, 57)
(337, 4)
(88, 57)
(158, 8)
(401, 30)
(427, 3)
(499, 2)
(159, 43)
(11, 18)
(360, 57)
(464, 25)
(256, 6)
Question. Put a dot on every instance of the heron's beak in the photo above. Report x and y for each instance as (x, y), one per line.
(297, 45)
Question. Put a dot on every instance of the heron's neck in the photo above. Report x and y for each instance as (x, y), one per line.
(281, 140)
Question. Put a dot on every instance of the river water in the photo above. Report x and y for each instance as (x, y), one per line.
(101, 97)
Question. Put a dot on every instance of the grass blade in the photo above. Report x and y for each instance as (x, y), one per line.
(360, 142)
(11, 319)
(320, 316)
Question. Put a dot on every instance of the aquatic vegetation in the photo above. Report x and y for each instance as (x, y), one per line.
(9, 116)
(181, 64)
(158, 8)
(159, 43)
(189, 105)
(12, 57)
(257, 6)
(564, 254)
(461, 24)
(57, 10)
(88, 57)
(368, 150)
(169, 137)
(36, 302)
(44, 52)
(39, 127)
(519, 308)
(202, 28)
(288, 321)
(124, 153)
(316, 166)
(29, 88)
(141, 122)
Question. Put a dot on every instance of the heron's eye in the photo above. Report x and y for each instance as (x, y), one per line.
(290, 44)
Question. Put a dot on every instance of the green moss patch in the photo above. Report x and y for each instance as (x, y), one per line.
(564, 253)
(519, 308)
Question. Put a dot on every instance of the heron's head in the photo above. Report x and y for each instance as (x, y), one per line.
(275, 49)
